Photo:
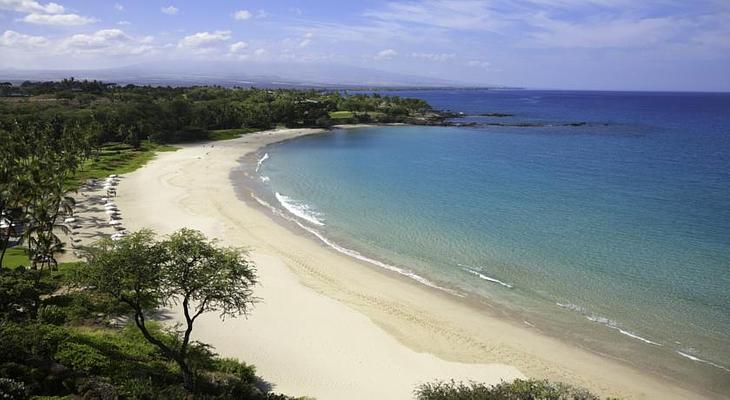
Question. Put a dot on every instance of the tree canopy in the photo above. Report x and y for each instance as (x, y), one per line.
(185, 271)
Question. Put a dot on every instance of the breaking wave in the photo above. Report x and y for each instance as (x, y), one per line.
(301, 210)
(353, 253)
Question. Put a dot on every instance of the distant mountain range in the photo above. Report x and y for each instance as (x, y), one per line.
(261, 74)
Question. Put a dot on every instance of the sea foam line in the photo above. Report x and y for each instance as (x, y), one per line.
(261, 161)
(482, 276)
(606, 321)
(355, 254)
(697, 359)
(301, 210)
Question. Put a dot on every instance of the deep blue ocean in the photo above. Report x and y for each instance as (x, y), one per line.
(604, 219)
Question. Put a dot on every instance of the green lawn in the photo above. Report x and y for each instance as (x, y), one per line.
(349, 114)
(225, 134)
(15, 257)
(340, 114)
(117, 159)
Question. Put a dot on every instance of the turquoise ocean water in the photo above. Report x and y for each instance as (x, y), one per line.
(603, 220)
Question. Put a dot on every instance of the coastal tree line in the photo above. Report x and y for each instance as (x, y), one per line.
(133, 113)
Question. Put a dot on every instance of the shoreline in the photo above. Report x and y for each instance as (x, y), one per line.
(388, 309)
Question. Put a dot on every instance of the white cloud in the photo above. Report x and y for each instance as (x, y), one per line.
(307, 40)
(259, 52)
(107, 42)
(205, 39)
(124, 22)
(433, 56)
(242, 15)
(386, 54)
(451, 14)
(479, 64)
(261, 14)
(112, 42)
(58, 19)
(118, 7)
(169, 10)
(30, 6)
(238, 46)
(15, 39)
(603, 33)
(98, 39)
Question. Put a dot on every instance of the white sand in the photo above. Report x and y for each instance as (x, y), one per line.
(334, 328)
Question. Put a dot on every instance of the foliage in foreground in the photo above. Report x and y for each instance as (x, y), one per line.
(101, 363)
(61, 341)
(517, 390)
(185, 271)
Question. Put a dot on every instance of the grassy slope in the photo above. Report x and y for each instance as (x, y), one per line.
(113, 159)
(341, 115)
(117, 159)
(15, 257)
(225, 134)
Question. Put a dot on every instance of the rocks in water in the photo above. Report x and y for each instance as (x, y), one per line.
(496, 114)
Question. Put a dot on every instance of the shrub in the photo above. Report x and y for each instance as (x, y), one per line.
(52, 315)
(246, 373)
(81, 357)
(516, 390)
(12, 390)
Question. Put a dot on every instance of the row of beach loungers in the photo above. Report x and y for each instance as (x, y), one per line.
(110, 208)
(115, 217)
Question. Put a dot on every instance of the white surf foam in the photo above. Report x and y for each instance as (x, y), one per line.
(606, 321)
(299, 209)
(637, 337)
(355, 254)
(261, 161)
(485, 277)
(572, 307)
(264, 178)
(697, 359)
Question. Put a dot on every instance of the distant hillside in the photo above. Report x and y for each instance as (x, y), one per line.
(239, 74)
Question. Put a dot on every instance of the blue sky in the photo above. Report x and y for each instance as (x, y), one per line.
(573, 44)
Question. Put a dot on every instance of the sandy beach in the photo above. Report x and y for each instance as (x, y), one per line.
(331, 327)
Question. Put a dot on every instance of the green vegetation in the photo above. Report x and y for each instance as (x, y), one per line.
(340, 114)
(354, 117)
(64, 332)
(226, 134)
(132, 114)
(116, 159)
(186, 270)
(517, 390)
(15, 257)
